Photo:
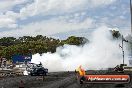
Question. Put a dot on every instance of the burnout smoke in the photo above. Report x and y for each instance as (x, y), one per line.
(101, 52)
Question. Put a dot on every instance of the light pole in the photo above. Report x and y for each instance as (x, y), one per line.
(123, 40)
(131, 15)
(131, 22)
(122, 49)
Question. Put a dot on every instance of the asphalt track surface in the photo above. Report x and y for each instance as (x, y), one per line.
(57, 80)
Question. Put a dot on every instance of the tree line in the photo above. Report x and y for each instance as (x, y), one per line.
(26, 45)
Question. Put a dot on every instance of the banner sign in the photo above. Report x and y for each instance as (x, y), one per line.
(107, 78)
(21, 58)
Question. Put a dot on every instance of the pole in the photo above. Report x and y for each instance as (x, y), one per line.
(122, 49)
(2, 63)
(131, 22)
(131, 15)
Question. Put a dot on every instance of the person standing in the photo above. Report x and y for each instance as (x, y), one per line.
(21, 84)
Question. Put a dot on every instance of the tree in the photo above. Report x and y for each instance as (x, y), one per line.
(72, 40)
(115, 34)
(27, 44)
(7, 41)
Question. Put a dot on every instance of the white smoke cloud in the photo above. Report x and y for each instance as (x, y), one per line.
(101, 52)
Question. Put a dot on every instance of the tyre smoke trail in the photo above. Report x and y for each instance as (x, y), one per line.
(101, 52)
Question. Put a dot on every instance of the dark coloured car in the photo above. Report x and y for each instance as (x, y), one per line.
(39, 71)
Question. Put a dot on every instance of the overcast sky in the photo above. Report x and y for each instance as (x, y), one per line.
(55, 17)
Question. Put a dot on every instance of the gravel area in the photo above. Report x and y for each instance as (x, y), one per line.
(37, 81)
(57, 80)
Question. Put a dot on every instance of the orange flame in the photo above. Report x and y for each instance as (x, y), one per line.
(81, 71)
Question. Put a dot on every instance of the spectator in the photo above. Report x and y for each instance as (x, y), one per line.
(21, 85)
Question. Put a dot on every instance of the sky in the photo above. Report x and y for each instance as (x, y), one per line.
(61, 18)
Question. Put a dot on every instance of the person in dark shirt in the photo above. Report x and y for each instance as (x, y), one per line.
(21, 85)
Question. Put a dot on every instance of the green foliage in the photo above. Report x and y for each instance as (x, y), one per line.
(115, 34)
(75, 40)
(25, 45)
